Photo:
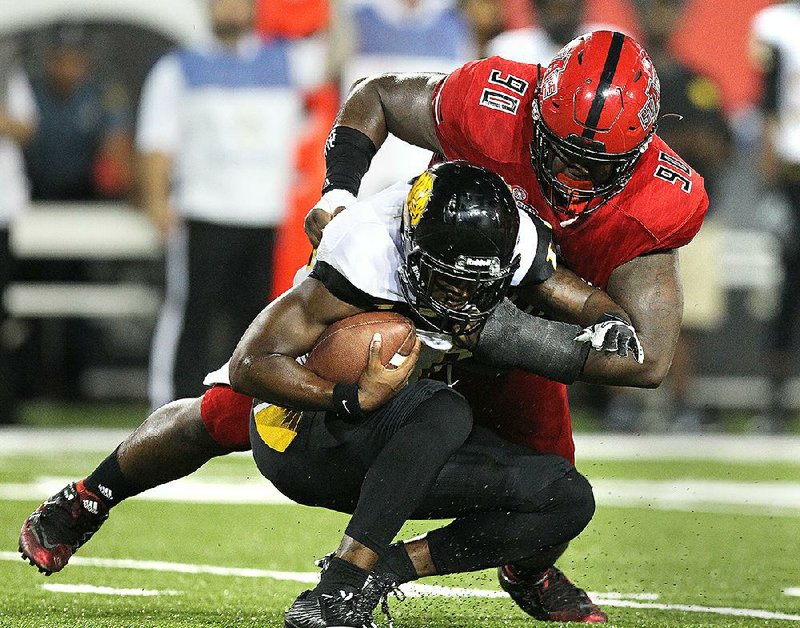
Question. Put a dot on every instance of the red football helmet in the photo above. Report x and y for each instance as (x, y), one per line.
(594, 115)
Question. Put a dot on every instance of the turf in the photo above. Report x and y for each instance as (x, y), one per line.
(711, 560)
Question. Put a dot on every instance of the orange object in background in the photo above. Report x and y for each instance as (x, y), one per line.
(291, 18)
(295, 19)
(714, 40)
(292, 247)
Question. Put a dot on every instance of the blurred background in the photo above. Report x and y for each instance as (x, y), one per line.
(109, 222)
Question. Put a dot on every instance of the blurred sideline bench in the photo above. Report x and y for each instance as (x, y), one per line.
(101, 231)
(749, 263)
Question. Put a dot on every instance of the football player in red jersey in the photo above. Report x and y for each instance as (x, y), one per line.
(619, 200)
(577, 142)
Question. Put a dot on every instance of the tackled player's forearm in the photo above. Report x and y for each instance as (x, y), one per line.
(264, 363)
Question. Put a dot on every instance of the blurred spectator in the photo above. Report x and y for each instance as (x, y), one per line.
(485, 19)
(557, 23)
(375, 36)
(82, 149)
(220, 122)
(17, 125)
(698, 131)
(776, 47)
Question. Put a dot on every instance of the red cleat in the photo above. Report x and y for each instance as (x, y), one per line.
(552, 597)
(50, 536)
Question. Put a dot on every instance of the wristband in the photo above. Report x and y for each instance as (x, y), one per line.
(334, 199)
(345, 401)
(348, 153)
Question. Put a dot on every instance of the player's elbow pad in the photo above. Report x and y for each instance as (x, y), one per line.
(512, 339)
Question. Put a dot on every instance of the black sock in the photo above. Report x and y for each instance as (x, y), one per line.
(396, 562)
(341, 576)
(108, 482)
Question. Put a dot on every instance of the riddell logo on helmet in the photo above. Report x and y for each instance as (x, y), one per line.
(492, 264)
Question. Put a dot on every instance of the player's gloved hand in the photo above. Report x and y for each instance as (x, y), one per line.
(379, 384)
(613, 334)
(323, 211)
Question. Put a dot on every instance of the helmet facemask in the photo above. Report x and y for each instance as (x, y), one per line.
(459, 231)
(606, 173)
(594, 115)
(454, 298)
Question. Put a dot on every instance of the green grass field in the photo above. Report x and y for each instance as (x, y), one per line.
(651, 563)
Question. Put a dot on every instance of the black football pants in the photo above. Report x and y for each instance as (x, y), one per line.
(417, 458)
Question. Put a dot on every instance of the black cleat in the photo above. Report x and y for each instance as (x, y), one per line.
(551, 597)
(57, 528)
(345, 609)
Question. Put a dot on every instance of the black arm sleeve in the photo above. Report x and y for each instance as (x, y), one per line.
(513, 339)
(348, 153)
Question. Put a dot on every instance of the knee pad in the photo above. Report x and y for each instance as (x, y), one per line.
(573, 494)
(226, 416)
(449, 414)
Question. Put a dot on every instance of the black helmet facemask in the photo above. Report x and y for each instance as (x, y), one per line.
(460, 226)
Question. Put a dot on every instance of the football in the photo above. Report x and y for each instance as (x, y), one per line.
(341, 353)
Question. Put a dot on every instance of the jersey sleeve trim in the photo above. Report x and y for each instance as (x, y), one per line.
(544, 263)
(340, 287)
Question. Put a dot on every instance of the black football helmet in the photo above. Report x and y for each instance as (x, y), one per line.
(459, 230)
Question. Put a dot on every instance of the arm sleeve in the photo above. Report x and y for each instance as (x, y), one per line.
(158, 127)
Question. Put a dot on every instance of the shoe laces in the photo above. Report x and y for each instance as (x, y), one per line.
(377, 589)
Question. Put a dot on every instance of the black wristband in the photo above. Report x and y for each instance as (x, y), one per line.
(345, 400)
(348, 153)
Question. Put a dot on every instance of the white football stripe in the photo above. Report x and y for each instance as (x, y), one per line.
(773, 498)
(88, 588)
(738, 448)
(606, 599)
(792, 591)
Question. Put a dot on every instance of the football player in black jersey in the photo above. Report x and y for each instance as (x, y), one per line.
(388, 452)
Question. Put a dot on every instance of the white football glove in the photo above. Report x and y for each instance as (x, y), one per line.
(612, 334)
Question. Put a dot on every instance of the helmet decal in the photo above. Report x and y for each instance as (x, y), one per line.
(418, 197)
(649, 111)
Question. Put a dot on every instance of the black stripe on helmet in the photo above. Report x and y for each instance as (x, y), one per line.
(609, 69)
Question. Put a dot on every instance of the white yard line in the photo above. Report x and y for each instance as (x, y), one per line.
(17, 441)
(605, 599)
(773, 498)
(792, 591)
(88, 588)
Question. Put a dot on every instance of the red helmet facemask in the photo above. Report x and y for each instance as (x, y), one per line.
(594, 115)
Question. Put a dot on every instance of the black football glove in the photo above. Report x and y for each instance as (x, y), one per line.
(613, 334)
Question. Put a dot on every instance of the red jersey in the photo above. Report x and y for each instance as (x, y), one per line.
(482, 113)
